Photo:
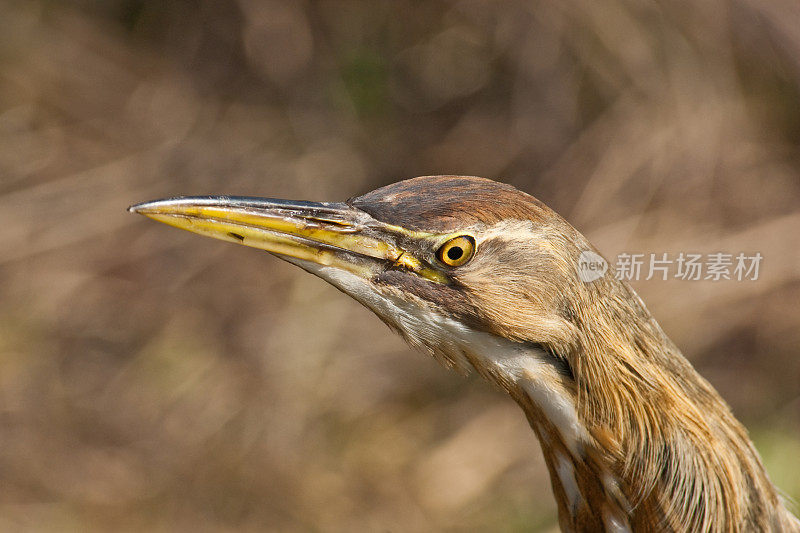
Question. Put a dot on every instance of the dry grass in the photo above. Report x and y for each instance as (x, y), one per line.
(151, 380)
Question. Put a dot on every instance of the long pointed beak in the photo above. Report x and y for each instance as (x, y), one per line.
(330, 234)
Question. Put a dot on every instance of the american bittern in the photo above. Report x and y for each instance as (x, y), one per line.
(483, 276)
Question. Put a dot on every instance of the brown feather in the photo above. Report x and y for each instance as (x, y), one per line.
(663, 451)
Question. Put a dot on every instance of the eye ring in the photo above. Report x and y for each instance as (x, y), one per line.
(457, 251)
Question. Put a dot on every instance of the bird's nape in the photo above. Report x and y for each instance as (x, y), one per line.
(485, 277)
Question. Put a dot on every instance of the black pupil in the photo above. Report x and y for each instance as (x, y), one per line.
(454, 253)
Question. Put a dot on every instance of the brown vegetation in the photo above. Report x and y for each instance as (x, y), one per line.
(150, 379)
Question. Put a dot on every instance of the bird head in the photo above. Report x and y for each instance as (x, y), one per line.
(438, 258)
(484, 276)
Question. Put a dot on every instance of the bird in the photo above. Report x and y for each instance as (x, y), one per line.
(485, 278)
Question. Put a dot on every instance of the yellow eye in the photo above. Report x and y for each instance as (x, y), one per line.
(457, 251)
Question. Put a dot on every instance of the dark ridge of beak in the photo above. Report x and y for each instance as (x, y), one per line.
(311, 210)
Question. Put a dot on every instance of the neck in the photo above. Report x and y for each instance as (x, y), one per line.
(633, 437)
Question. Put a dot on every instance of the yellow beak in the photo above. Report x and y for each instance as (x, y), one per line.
(331, 234)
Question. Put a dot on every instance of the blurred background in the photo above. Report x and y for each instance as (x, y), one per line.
(153, 380)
